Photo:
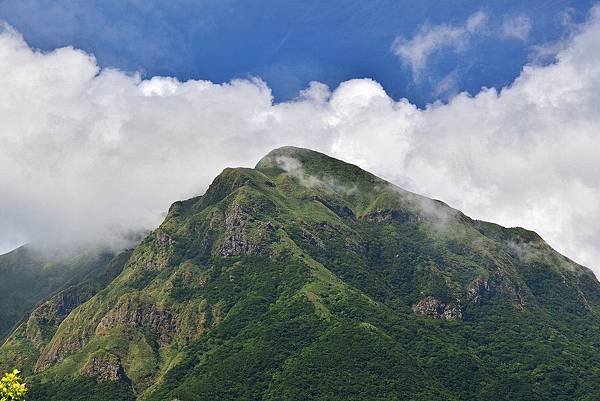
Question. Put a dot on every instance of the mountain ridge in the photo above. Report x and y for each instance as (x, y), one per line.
(249, 290)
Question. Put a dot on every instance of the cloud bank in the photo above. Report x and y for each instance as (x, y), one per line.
(92, 154)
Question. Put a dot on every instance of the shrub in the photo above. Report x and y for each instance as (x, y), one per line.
(11, 388)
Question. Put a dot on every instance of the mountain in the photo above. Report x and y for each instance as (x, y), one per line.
(307, 278)
(28, 275)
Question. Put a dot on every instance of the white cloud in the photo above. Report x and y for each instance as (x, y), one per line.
(89, 154)
(432, 38)
(517, 27)
(447, 87)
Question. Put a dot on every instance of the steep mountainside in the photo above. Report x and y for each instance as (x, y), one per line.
(27, 341)
(28, 276)
(308, 278)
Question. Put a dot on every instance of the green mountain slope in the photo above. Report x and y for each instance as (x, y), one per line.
(308, 278)
(28, 276)
(29, 339)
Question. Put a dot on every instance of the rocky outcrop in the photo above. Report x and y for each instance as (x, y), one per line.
(437, 309)
(105, 367)
(341, 211)
(243, 234)
(62, 346)
(45, 319)
(162, 252)
(384, 216)
(131, 312)
(478, 290)
(53, 311)
(209, 234)
(163, 239)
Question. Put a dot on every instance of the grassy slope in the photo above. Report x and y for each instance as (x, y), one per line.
(25, 344)
(28, 276)
(300, 285)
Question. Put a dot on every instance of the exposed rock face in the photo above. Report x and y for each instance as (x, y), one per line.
(237, 238)
(163, 252)
(342, 211)
(52, 313)
(58, 307)
(211, 234)
(162, 239)
(162, 325)
(435, 308)
(46, 318)
(381, 216)
(104, 367)
(131, 312)
(478, 290)
(60, 349)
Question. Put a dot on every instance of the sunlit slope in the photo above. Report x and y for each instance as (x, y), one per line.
(29, 275)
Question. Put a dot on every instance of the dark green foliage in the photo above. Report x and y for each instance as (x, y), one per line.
(353, 362)
(79, 389)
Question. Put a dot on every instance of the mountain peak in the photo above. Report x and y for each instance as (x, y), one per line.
(294, 159)
(310, 167)
(303, 155)
(267, 275)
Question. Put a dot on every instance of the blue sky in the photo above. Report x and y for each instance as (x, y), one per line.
(290, 43)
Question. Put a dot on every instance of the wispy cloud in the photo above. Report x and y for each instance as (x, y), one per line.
(517, 27)
(430, 39)
(294, 168)
(447, 87)
(547, 52)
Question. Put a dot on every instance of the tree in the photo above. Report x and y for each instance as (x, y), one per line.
(11, 388)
